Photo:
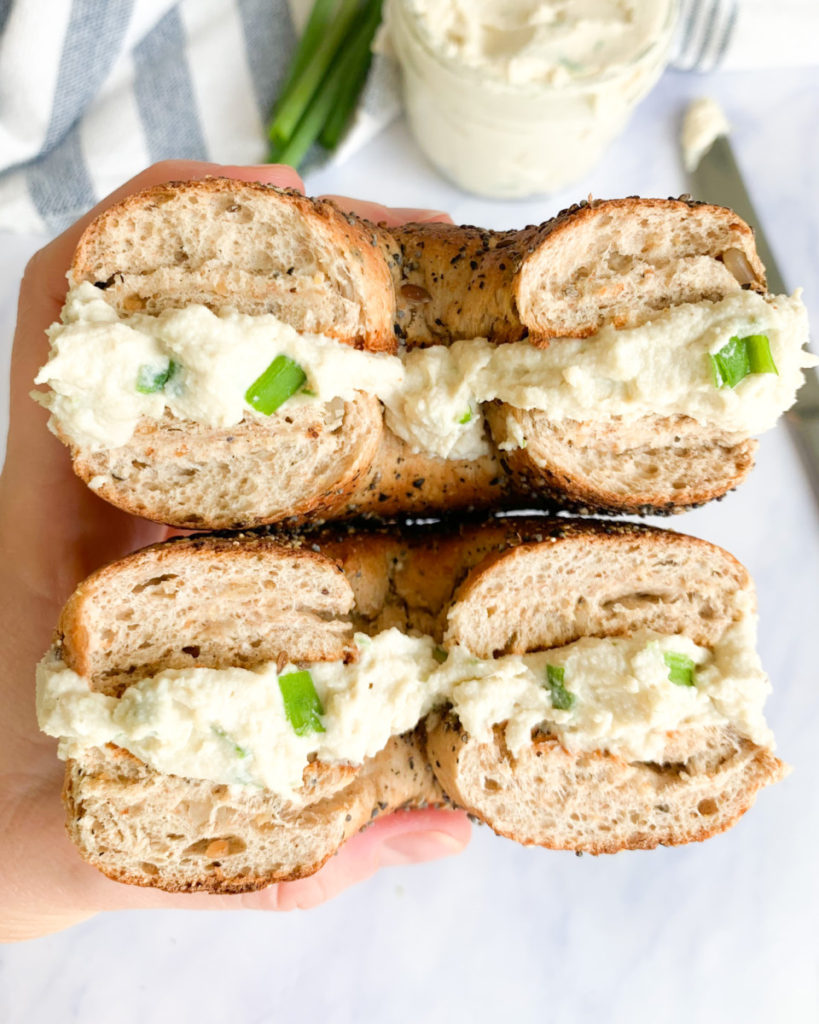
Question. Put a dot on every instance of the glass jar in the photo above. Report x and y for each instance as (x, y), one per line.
(506, 140)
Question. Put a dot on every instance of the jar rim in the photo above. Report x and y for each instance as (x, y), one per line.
(659, 44)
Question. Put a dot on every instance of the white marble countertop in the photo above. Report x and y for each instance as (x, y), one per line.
(725, 931)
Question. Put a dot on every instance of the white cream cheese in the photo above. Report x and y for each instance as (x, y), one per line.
(230, 725)
(539, 42)
(96, 358)
(432, 396)
(515, 97)
(704, 122)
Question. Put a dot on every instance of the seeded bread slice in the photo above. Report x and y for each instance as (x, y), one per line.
(210, 601)
(600, 262)
(606, 468)
(185, 835)
(596, 803)
(245, 246)
(309, 461)
(572, 582)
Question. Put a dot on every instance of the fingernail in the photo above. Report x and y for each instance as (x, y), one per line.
(413, 847)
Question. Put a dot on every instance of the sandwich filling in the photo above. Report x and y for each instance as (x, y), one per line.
(106, 373)
(261, 727)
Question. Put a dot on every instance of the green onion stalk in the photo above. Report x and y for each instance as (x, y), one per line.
(325, 79)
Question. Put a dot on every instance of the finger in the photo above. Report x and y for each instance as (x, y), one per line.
(392, 216)
(406, 837)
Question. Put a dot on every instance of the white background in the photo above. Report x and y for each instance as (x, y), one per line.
(722, 932)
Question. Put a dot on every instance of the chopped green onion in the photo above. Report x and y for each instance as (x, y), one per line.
(301, 702)
(220, 732)
(759, 354)
(150, 379)
(467, 416)
(440, 655)
(730, 365)
(562, 700)
(571, 65)
(362, 640)
(741, 357)
(280, 381)
(680, 668)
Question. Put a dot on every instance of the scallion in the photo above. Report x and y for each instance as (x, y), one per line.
(351, 88)
(739, 358)
(562, 700)
(150, 379)
(293, 106)
(223, 735)
(325, 79)
(301, 702)
(759, 354)
(280, 381)
(440, 655)
(319, 20)
(466, 417)
(680, 668)
(293, 150)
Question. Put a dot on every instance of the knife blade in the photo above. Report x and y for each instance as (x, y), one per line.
(717, 179)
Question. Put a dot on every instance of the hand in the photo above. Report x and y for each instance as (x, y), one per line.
(53, 532)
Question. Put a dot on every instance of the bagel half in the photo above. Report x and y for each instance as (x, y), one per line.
(254, 251)
(460, 607)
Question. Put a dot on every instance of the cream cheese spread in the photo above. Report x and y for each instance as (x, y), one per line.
(539, 42)
(515, 97)
(96, 358)
(704, 122)
(432, 396)
(230, 725)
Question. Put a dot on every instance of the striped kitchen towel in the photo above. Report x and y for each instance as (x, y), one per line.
(91, 92)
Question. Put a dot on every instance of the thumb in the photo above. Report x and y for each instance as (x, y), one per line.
(405, 837)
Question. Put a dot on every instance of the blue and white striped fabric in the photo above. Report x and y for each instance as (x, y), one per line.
(90, 93)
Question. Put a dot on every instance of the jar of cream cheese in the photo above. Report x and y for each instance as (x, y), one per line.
(511, 98)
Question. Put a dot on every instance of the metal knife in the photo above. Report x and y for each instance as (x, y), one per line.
(717, 179)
